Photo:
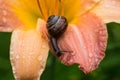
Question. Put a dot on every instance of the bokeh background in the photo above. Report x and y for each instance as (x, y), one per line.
(109, 68)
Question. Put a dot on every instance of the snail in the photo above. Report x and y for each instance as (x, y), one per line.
(56, 26)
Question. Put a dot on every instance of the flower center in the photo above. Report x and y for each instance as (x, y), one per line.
(48, 8)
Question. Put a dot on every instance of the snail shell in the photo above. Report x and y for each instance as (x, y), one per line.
(56, 25)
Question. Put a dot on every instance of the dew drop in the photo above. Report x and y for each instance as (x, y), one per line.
(11, 58)
(40, 58)
(13, 68)
(4, 20)
(4, 12)
(100, 32)
(96, 60)
(71, 60)
(31, 53)
(11, 52)
(89, 60)
(84, 47)
(41, 71)
(114, 2)
(17, 57)
(107, 6)
(43, 46)
(90, 55)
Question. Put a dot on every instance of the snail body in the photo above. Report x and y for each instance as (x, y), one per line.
(56, 26)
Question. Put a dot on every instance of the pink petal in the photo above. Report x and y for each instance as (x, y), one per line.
(8, 21)
(87, 40)
(108, 10)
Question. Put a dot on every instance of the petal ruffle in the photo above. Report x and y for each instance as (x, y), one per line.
(108, 10)
(28, 53)
(87, 40)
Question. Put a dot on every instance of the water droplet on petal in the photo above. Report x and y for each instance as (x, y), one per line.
(40, 58)
(96, 59)
(11, 52)
(4, 12)
(90, 60)
(71, 60)
(13, 68)
(84, 47)
(31, 53)
(90, 55)
(4, 20)
(43, 46)
(17, 57)
(41, 70)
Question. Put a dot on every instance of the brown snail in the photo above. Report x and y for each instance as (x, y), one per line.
(56, 26)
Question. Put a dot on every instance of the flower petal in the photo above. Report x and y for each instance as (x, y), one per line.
(87, 40)
(8, 20)
(27, 11)
(108, 10)
(28, 53)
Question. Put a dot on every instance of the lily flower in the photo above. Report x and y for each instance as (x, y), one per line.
(86, 35)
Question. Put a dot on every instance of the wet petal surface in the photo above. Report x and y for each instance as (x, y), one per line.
(87, 40)
(28, 53)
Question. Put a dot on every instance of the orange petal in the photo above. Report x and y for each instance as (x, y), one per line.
(87, 40)
(28, 53)
(108, 10)
(8, 21)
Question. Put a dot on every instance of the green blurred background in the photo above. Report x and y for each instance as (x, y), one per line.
(109, 68)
